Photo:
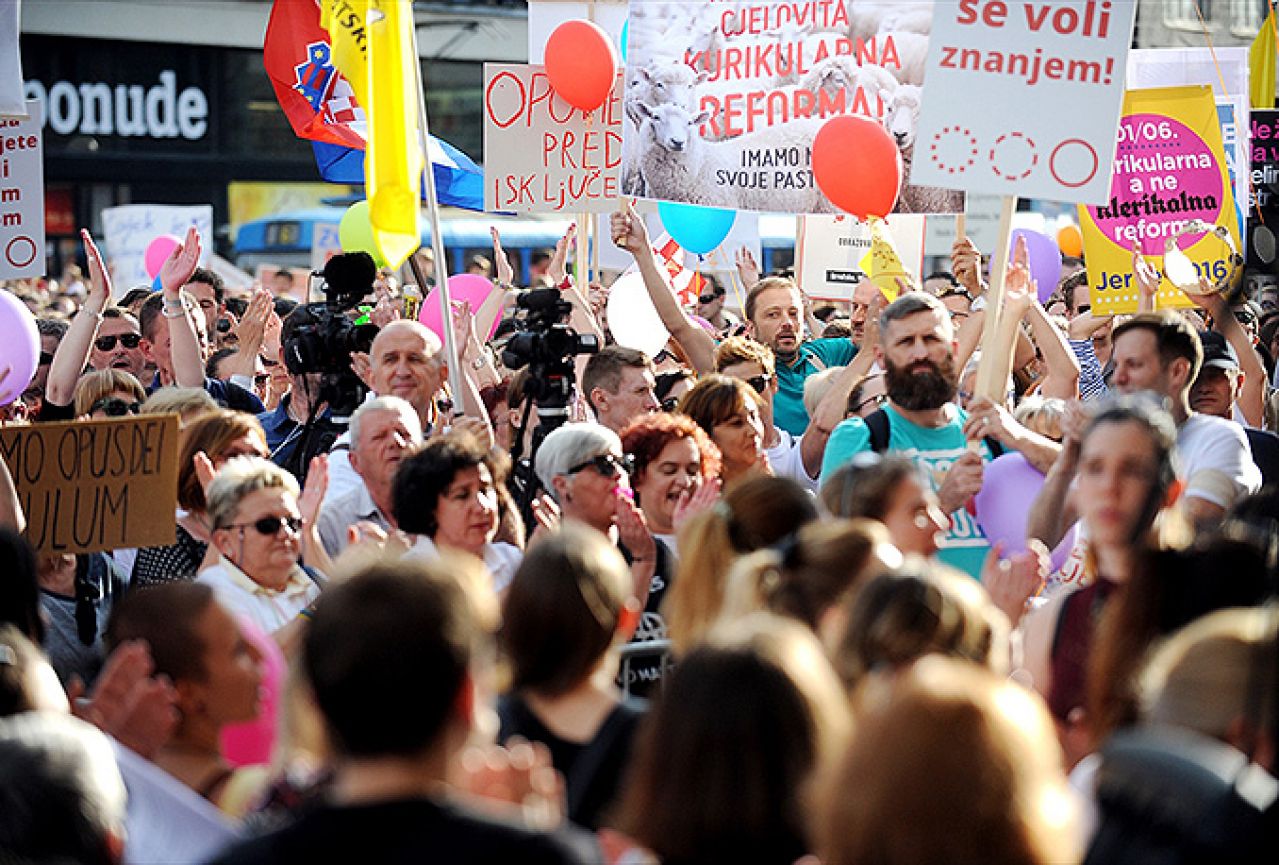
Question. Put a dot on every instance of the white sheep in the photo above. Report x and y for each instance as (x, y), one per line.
(679, 165)
(843, 73)
(914, 17)
(654, 84)
(901, 119)
(912, 54)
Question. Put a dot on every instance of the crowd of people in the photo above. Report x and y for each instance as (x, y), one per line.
(738, 602)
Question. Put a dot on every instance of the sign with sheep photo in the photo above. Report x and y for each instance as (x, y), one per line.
(724, 98)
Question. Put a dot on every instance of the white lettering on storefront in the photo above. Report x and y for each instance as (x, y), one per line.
(127, 111)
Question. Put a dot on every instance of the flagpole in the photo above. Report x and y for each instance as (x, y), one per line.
(437, 237)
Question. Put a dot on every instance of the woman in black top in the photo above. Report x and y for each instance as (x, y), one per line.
(568, 605)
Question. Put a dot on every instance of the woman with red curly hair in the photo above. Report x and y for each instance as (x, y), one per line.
(675, 476)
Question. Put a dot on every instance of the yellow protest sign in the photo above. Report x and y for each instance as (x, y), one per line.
(1170, 169)
(96, 485)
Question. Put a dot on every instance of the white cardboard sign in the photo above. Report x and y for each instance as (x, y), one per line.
(130, 229)
(829, 250)
(1022, 97)
(542, 155)
(22, 196)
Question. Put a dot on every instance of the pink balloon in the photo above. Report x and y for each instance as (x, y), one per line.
(1002, 507)
(158, 252)
(464, 286)
(250, 743)
(19, 346)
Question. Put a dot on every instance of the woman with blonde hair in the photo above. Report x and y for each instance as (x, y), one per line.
(108, 393)
(217, 436)
(812, 576)
(949, 763)
(756, 513)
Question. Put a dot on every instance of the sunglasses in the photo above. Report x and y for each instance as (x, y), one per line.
(608, 465)
(115, 407)
(878, 399)
(710, 298)
(759, 382)
(45, 358)
(107, 343)
(261, 379)
(670, 403)
(270, 525)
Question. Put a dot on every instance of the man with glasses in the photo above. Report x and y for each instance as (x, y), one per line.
(710, 306)
(618, 384)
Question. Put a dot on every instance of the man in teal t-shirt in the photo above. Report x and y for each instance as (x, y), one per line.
(775, 315)
(917, 351)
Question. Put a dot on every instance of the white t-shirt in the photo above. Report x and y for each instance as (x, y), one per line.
(1215, 460)
(269, 609)
(787, 461)
(500, 558)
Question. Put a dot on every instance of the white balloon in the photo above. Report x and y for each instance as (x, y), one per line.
(632, 318)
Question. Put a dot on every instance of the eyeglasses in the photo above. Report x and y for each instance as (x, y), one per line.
(270, 525)
(115, 407)
(261, 379)
(45, 358)
(608, 465)
(878, 399)
(107, 343)
(759, 382)
(670, 403)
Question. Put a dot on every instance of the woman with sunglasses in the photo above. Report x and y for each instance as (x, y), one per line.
(450, 495)
(108, 393)
(728, 409)
(256, 528)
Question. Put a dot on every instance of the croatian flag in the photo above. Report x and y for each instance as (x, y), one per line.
(322, 108)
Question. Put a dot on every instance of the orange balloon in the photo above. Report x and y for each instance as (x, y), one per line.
(1070, 241)
(581, 63)
(857, 165)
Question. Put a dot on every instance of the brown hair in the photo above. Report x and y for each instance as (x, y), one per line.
(768, 282)
(1174, 338)
(756, 513)
(165, 617)
(604, 370)
(210, 433)
(742, 349)
(716, 399)
(95, 385)
(562, 610)
(951, 763)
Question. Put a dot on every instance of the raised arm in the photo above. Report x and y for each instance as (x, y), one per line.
(630, 234)
(1053, 512)
(72, 353)
(184, 348)
(1062, 380)
(1252, 395)
(11, 515)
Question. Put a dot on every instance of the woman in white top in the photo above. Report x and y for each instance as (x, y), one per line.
(257, 529)
(446, 494)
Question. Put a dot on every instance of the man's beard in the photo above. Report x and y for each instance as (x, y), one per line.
(922, 386)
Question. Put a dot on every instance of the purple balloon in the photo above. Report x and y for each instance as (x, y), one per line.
(1002, 506)
(20, 348)
(1045, 260)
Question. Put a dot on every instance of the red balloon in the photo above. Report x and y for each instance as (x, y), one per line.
(857, 165)
(581, 63)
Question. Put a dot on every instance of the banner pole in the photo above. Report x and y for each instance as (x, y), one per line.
(437, 237)
(992, 371)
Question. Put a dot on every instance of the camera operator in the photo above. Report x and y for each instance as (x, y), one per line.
(283, 426)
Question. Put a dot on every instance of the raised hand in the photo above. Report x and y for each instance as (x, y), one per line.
(1147, 277)
(747, 267)
(558, 268)
(1013, 581)
(127, 702)
(317, 484)
(501, 264)
(177, 270)
(99, 290)
(965, 263)
(251, 330)
(628, 230)
(518, 781)
(696, 501)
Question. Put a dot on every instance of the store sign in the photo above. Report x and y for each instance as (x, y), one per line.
(129, 111)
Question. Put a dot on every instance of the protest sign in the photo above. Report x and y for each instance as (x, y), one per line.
(542, 154)
(12, 98)
(95, 485)
(830, 250)
(22, 196)
(724, 98)
(1225, 69)
(130, 229)
(1264, 201)
(1022, 98)
(1169, 169)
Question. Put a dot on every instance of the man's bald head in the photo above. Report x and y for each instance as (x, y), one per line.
(407, 362)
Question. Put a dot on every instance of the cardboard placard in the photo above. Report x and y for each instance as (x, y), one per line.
(1022, 98)
(22, 196)
(829, 251)
(96, 485)
(542, 155)
(755, 81)
(1169, 169)
(130, 229)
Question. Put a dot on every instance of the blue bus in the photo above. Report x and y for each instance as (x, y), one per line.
(286, 240)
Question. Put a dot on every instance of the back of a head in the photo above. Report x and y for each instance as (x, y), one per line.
(19, 589)
(753, 514)
(722, 765)
(865, 486)
(387, 654)
(922, 609)
(562, 609)
(949, 763)
(62, 799)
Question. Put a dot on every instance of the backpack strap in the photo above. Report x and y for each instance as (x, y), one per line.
(877, 426)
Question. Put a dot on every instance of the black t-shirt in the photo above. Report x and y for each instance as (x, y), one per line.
(641, 674)
(1265, 453)
(410, 832)
(592, 770)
